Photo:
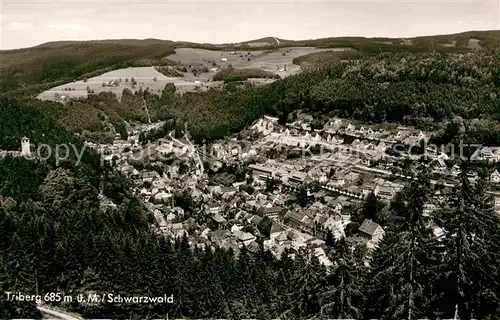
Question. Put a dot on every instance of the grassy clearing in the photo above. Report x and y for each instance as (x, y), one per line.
(134, 79)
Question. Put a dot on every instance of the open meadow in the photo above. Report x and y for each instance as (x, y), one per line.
(271, 60)
(135, 78)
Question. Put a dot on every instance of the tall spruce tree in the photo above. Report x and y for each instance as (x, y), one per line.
(17, 276)
(309, 282)
(468, 285)
(343, 298)
(184, 275)
(208, 289)
(284, 280)
(399, 277)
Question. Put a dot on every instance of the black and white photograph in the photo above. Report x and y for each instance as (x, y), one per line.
(264, 160)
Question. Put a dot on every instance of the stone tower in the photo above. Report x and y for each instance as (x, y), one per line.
(25, 147)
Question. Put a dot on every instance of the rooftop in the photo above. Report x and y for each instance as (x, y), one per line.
(368, 226)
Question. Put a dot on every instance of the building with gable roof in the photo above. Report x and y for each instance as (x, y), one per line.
(372, 231)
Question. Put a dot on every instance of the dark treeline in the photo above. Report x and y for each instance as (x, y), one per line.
(231, 74)
(63, 242)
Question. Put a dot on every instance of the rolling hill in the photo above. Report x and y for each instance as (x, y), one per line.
(35, 69)
(125, 42)
(488, 38)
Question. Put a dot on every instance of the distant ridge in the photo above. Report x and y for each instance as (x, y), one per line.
(130, 42)
(50, 64)
(152, 41)
(491, 37)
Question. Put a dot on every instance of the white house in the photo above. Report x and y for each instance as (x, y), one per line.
(338, 180)
(264, 126)
(428, 209)
(158, 184)
(218, 218)
(495, 176)
(162, 197)
(337, 207)
(421, 135)
(323, 178)
(497, 204)
(455, 170)
(162, 223)
(214, 208)
(323, 259)
(401, 135)
(497, 201)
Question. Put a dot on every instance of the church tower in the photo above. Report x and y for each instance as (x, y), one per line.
(25, 147)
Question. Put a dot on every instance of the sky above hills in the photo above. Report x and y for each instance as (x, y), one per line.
(27, 23)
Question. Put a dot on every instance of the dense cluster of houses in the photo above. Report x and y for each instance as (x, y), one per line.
(228, 216)
(352, 164)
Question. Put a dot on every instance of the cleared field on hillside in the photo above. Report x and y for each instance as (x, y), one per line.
(271, 61)
(474, 44)
(258, 44)
(144, 77)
